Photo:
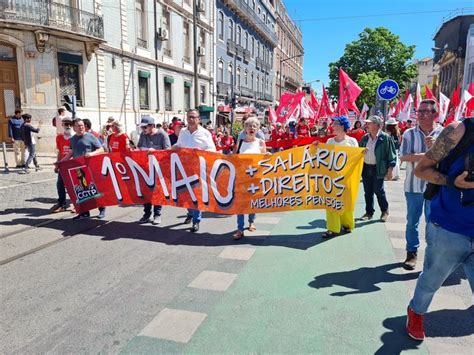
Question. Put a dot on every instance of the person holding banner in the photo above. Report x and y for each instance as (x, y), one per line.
(152, 139)
(345, 221)
(379, 160)
(84, 144)
(197, 137)
(249, 145)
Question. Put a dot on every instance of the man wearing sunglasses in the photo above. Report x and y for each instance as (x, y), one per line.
(450, 232)
(415, 143)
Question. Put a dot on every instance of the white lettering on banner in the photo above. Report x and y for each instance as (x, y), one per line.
(108, 169)
(150, 181)
(218, 164)
(332, 160)
(186, 180)
(204, 185)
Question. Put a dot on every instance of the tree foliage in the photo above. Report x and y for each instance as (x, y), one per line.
(378, 54)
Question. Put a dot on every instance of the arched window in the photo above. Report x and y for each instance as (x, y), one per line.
(230, 69)
(251, 81)
(246, 78)
(239, 35)
(258, 83)
(231, 30)
(220, 25)
(220, 70)
(238, 78)
(246, 43)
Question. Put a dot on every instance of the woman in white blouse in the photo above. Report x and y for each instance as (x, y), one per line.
(249, 145)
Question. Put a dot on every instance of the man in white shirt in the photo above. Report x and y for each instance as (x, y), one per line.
(197, 137)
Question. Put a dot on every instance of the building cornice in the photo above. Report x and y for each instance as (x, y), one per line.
(162, 65)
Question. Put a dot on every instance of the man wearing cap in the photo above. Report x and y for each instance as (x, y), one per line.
(415, 143)
(197, 137)
(63, 147)
(379, 161)
(152, 139)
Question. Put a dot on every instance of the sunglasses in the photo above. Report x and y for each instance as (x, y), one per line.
(425, 112)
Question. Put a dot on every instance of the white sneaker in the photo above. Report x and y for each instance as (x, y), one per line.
(156, 220)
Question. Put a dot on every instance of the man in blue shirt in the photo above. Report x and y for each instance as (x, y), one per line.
(14, 132)
(84, 144)
(450, 233)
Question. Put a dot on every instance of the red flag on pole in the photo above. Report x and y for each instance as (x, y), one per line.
(324, 106)
(313, 102)
(349, 91)
(429, 93)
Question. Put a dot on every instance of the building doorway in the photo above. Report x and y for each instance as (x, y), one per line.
(9, 87)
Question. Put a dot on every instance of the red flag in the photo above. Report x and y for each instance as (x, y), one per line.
(456, 97)
(313, 102)
(429, 93)
(406, 95)
(272, 116)
(324, 106)
(399, 107)
(349, 91)
(470, 103)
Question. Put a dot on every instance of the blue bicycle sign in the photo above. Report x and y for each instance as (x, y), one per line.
(387, 89)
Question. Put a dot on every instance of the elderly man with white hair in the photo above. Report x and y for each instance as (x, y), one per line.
(379, 161)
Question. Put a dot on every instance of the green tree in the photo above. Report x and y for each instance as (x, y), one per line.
(378, 54)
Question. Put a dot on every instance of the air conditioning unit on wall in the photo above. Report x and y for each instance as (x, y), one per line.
(201, 6)
(162, 34)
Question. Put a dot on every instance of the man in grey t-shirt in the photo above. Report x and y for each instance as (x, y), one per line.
(152, 139)
(84, 144)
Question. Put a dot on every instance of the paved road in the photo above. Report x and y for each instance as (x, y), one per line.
(116, 286)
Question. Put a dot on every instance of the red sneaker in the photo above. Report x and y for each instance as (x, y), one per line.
(415, 325)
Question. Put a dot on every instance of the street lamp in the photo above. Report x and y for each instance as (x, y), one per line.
(284, 60)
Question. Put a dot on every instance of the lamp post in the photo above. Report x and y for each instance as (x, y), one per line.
(284, 60)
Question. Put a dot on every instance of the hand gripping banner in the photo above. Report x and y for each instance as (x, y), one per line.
(308, 177)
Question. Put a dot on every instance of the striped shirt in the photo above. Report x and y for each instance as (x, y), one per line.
(414, 142)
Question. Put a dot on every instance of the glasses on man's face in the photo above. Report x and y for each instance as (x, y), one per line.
(67, 124)
(425, 112)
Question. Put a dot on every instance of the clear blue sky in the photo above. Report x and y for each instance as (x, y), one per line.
(324, 40)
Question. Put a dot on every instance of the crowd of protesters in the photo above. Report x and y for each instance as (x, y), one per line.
(431, 153)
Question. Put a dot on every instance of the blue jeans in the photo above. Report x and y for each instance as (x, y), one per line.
(241, 220)
(61, 191)
(445, 252)
(31, 155)
(415, 203)
(147, 209)
(197, 215)
(373, 185)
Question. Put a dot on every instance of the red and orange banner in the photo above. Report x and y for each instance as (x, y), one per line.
(309, 177)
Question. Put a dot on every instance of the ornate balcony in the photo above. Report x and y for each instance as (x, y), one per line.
(246, 55)
(231, 47)
(243, 9)
(46, 18)
(223, 89)
(246, 92)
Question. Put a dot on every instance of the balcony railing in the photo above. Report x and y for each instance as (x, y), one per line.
(246, 92)
(223, 88)
(243, 8)
(231, 47)
(51, 14)
(246, 55)
(239, 50)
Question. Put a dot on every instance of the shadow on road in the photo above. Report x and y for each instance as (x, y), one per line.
(27, 212)
(443, 323)
(362, 280)
(176, 234)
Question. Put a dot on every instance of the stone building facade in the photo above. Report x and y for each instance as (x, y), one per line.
(121, 58)
(288, 54)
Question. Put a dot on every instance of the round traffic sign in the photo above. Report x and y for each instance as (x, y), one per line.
(387, 89)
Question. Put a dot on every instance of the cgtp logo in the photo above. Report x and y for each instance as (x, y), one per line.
(83, 184)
